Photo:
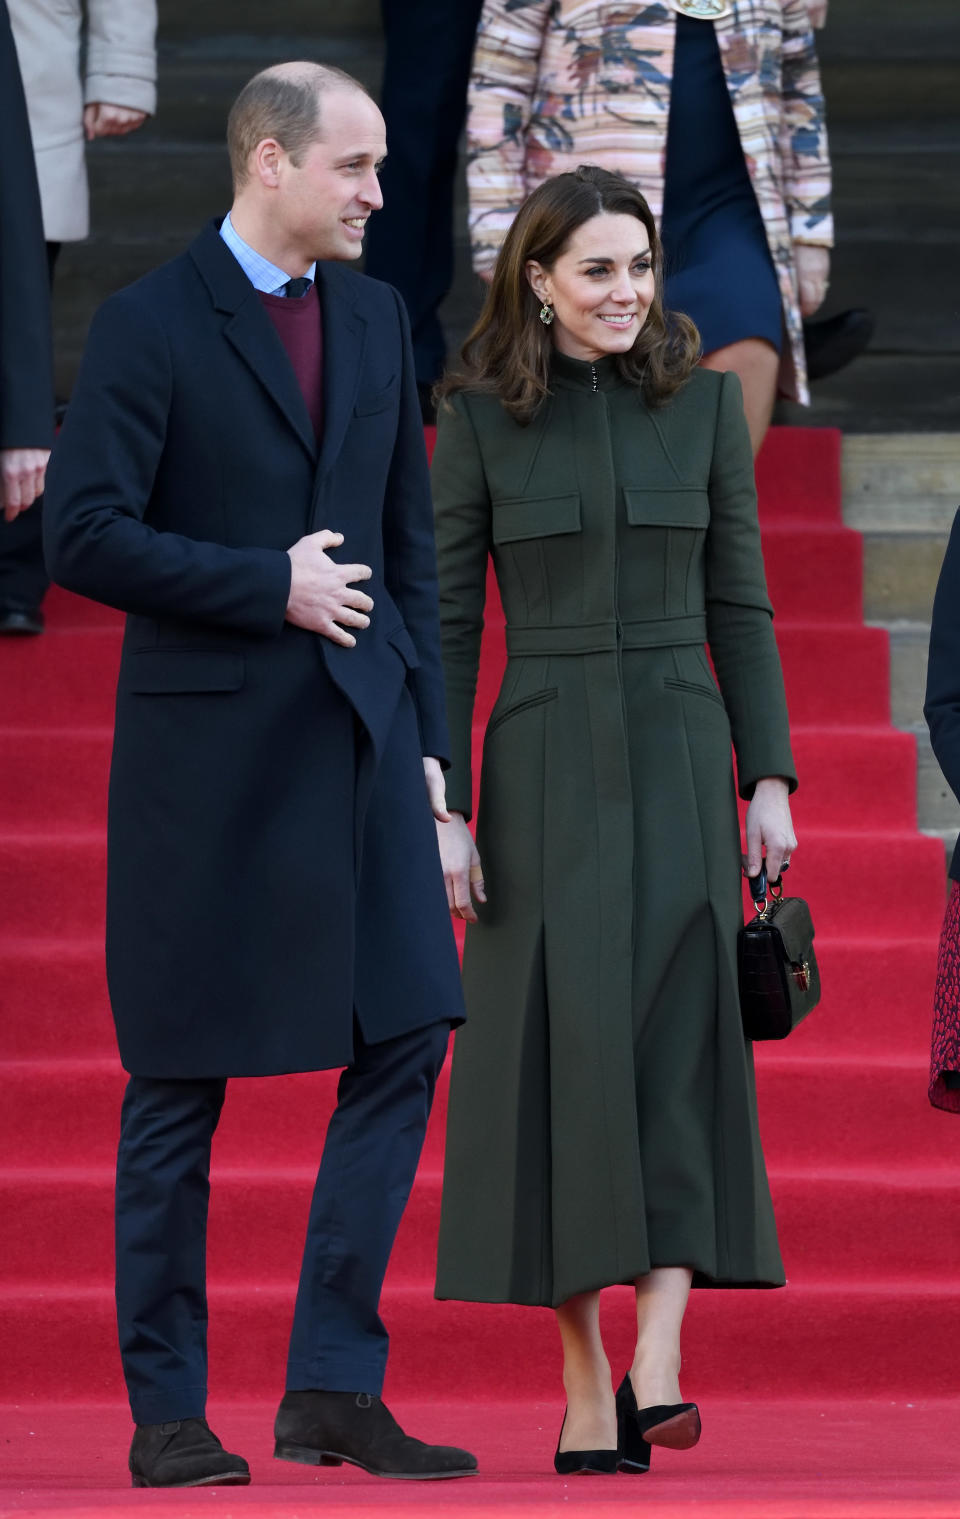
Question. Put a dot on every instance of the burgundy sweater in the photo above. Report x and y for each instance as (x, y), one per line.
(298, 324)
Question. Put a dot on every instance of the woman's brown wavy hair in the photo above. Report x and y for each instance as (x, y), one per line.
(507, 354)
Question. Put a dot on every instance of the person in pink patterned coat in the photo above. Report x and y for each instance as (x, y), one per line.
(741, 180)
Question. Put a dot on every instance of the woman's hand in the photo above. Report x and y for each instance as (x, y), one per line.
(813, 275)
(462, 873)
(770, 826)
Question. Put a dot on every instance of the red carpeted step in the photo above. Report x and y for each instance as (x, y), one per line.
(878, 1222)
(66, 612)
(813, 1339)
(53, 998)
(813, 570)
(59, 882)
(843, 771)
(811, 1109)
(60, 678)
(799, 475)
(56, 774)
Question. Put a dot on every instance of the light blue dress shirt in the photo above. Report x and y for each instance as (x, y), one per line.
(259, 271)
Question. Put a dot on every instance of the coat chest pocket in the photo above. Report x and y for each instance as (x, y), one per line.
(538, 517)
(376, 400)
(671, 506)
(156, 672)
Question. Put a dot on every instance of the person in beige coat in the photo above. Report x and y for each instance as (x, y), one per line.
(89, 70)
(114, 93)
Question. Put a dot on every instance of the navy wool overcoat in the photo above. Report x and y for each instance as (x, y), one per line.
(273, 871)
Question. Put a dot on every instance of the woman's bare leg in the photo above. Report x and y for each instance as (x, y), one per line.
(591, 1415)
(758, 365)
(661, 1303)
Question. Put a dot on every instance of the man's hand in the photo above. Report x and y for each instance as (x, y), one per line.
(462, 872)
(769, 826)
(103, 120)
(813, 275)
(22, 472)
(320, 590)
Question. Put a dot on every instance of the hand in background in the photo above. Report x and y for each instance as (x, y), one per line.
(103, 120)
(817, 11)
(813, 276)
(22, 472)
(462, 873)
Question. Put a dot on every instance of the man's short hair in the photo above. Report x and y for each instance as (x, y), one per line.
(282, 102)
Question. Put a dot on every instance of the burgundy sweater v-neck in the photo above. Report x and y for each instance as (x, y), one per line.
(299, 327)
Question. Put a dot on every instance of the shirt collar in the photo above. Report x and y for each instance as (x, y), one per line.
(259, 271)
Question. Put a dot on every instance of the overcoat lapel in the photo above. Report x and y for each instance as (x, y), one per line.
(249, 330)
(344, 340)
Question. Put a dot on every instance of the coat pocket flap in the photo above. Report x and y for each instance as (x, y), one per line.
(541, 517)
(400, 639)
(667, 506)
(172, 670)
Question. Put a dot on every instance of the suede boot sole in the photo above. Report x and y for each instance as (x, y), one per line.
(222, 1479)
(307, 1455)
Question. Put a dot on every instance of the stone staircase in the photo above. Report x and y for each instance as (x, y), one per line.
(901, 491)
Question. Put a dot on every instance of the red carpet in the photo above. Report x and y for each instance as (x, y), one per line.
(866, 1177)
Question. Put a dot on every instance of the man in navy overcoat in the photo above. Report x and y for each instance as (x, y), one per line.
(242, 472)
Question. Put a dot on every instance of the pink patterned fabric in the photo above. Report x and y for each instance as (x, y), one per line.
(945, 1051)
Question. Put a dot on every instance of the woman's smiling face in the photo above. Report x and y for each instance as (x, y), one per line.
(600, 287)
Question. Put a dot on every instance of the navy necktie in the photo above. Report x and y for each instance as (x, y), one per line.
(297, 287)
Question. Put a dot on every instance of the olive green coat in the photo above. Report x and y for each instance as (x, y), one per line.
(602, 1108)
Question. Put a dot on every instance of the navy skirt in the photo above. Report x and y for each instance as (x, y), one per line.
(717, 261)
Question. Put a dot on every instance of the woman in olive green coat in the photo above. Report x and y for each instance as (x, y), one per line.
(602, 1123)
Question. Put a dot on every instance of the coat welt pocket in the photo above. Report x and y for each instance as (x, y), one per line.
(695, 689)
(539, 699)
(377, 400)
(167, 671)
(667, 506)
(541, 517)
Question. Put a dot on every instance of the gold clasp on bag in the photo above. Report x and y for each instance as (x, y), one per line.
(801, 974)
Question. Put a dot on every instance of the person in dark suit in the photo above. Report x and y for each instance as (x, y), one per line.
(26, 347)
(242, 471)
(411, 244)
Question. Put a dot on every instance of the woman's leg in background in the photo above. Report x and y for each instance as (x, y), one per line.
(758, 365)
(591, 1422)
(661, 1303)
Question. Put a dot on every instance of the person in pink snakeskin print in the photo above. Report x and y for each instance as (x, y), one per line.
(942, 712)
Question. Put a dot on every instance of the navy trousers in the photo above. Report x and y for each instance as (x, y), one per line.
(370, 1156)
(429, 45)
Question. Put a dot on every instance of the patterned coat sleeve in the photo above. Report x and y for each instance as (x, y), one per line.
(500, 103)
(806, 157)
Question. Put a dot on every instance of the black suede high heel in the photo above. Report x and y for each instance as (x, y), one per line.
(573, 1463)
(633, 1451)
(676, 1426)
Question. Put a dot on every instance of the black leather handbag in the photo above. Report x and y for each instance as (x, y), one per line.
(777, 968)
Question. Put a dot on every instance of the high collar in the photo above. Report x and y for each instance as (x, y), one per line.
(580, 374)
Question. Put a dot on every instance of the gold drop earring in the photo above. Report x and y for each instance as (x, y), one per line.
(547, 313)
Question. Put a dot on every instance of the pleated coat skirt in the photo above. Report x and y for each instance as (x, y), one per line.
(602, 1115)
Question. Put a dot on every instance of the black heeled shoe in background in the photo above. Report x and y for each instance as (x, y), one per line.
(675, 1426)
(574, 1463)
